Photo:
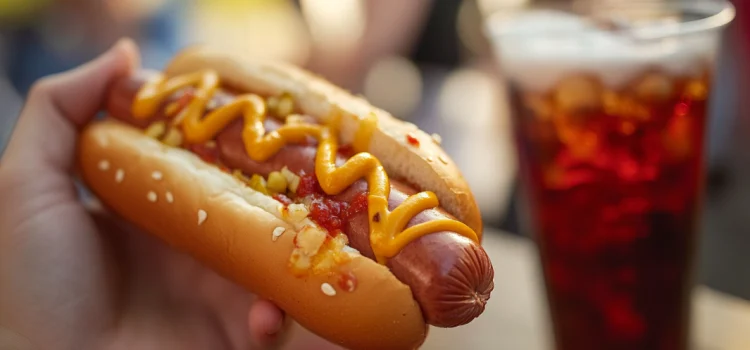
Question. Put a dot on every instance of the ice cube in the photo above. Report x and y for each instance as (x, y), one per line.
(676, 139)
(626, 107)
(697, 90)
(541, 107)
(654, 87)
(578, 94)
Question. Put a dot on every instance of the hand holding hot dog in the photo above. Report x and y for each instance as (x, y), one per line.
(73, 277)
(247, 177)
(358, 225)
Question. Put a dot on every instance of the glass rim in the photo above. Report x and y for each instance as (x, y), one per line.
(719, 13)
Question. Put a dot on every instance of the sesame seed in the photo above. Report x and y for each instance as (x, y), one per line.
(277, 232)
(169, 197)
(103, 165)
(327, 289)
(428, 159)
(151, 196)
(349, 249)
(119, 175)
(156, 175)
(202, 215)
(438, 140)
(443, 159)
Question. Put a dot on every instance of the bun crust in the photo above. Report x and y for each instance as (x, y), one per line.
(427, 167)
(234, 237)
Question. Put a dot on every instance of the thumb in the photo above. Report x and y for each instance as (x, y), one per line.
(45, 135)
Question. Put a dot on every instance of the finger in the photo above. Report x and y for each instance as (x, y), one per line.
(58, 105)
(267, 323)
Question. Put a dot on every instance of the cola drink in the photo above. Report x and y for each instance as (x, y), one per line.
(610, 136)
(614, 181)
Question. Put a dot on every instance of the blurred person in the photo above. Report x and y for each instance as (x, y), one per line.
(42, 37)
(63, 34)
(390, 27)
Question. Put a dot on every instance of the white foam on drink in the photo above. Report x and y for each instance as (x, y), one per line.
(538, 49)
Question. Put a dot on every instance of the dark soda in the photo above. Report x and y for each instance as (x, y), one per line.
(614, 181)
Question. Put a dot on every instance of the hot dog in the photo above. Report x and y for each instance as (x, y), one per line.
(447, 274)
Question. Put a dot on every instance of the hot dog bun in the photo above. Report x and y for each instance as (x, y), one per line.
(220, 221)
(236, 238)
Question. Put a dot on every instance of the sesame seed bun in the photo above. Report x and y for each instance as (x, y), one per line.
(200, 210)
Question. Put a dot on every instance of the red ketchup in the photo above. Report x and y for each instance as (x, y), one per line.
(347, 281)
(308, 185)
(283, 199)
(412, 140)
(326, 212)
(332, 215)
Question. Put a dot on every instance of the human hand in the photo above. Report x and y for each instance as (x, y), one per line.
(73, 276)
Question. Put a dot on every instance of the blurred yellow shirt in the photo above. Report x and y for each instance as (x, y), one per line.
(20, 10)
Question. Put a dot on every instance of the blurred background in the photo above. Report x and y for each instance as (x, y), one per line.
(428, 62)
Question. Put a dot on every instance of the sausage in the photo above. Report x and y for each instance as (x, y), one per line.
(450, 276)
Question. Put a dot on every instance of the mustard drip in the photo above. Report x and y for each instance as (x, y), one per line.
(363, 135)
(387, 234)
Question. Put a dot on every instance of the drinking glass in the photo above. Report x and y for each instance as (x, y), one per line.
(609, 104)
